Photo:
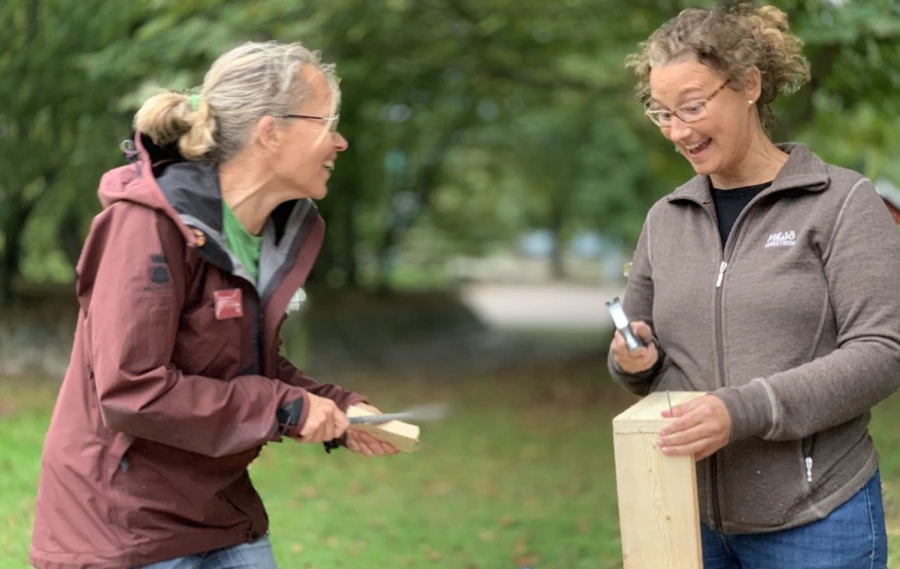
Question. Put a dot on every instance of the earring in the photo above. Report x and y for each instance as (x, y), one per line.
(750, 102)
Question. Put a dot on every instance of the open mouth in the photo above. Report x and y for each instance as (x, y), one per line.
(329, 165)
(695, 149)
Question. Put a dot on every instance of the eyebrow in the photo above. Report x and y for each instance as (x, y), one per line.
(681, 95)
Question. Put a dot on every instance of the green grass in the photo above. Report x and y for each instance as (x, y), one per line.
(522, 475)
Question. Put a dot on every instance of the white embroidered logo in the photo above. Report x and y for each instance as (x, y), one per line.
(782, 239)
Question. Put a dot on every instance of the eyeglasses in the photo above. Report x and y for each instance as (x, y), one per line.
(689, 112)
(331, 121)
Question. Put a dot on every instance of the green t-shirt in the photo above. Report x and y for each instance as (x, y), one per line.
(244, 245)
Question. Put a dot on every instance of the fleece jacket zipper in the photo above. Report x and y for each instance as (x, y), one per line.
(720, 353)
(725, 259)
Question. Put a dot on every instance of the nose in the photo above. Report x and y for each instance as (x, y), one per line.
(340, 143)
(678, 130)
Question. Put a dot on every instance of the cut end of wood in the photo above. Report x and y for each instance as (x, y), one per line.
(404, 436)
(645, 416)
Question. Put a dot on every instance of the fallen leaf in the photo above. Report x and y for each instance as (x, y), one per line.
(583, 526)
(527, 560)
(487, 535)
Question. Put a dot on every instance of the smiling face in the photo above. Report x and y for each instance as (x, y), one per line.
(711, 124)
(305, 149)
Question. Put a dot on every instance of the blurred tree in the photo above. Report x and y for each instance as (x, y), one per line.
(469, 122)
(53, 121)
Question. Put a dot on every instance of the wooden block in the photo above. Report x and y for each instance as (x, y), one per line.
(404, 436)
(659, 516)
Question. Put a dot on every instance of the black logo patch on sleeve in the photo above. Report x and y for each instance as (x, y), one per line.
(158, 271)
(159, 275)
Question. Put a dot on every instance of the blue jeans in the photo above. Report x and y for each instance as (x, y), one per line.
(256, 555)
(853, 536)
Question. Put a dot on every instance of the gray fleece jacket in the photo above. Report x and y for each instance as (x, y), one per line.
(795, 325)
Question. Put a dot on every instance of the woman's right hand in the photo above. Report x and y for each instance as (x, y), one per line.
(641, 359)
(325, 421)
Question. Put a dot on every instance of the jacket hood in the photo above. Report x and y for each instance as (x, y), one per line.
(188, 192)
(139, 182)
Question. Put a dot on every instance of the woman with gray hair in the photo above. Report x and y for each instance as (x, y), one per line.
(768, 283)
(175, 382)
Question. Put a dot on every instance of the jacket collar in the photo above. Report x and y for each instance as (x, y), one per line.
(803, 170)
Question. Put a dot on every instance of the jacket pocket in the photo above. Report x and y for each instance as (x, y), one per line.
(807, 448)
(114, 472)
(159, 332)
(207, 346)
(763, 483)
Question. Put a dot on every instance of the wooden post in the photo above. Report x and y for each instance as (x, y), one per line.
(659, 516)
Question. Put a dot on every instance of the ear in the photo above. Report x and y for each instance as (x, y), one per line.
(753, 84)
(267, 135)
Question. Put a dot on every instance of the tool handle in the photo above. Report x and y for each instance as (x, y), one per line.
(623, 325)
(632, 340)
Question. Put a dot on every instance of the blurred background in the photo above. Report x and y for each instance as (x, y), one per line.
(497, 177)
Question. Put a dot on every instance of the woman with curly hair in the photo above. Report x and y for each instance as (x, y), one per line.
(767, 282)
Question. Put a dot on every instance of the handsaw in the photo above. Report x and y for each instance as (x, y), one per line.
(417, 413)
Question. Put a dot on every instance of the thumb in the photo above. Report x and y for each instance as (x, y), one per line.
(642, 330)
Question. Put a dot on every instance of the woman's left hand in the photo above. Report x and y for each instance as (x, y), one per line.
(701, 427)
(364, 443)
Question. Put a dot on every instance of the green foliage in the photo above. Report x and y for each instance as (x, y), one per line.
(469, 122)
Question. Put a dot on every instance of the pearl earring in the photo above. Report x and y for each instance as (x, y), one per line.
(750, 102)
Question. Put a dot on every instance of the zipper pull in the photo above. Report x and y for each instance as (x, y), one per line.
(721, 274)
(809, 469)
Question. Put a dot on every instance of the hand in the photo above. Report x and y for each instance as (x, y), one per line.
(325, 421)
(701, 427)
(641, 359)
(366, 444)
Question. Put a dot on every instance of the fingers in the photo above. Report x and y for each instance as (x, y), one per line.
(642, 330)
(700, 428)
(641, 359)
(681, 410)
(686, 436)
(367, 445)
(700, 448)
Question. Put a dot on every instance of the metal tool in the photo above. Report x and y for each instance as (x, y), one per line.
(428, 412)
(623, 325)
(669, 397)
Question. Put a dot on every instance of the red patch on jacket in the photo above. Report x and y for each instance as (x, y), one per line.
(228, 304)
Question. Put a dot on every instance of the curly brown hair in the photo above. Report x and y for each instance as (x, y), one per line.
(730, 39)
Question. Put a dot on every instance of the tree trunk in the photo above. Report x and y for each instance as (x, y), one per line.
(348, 253)
(69, 239)
(11, 259)
(557, 218)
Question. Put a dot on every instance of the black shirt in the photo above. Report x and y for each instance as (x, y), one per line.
(730, 204)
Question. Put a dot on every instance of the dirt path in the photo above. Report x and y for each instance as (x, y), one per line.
(541, 306)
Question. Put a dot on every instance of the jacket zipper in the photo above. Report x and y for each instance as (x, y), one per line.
(720, 349)
(807, 457)
(258, 327)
